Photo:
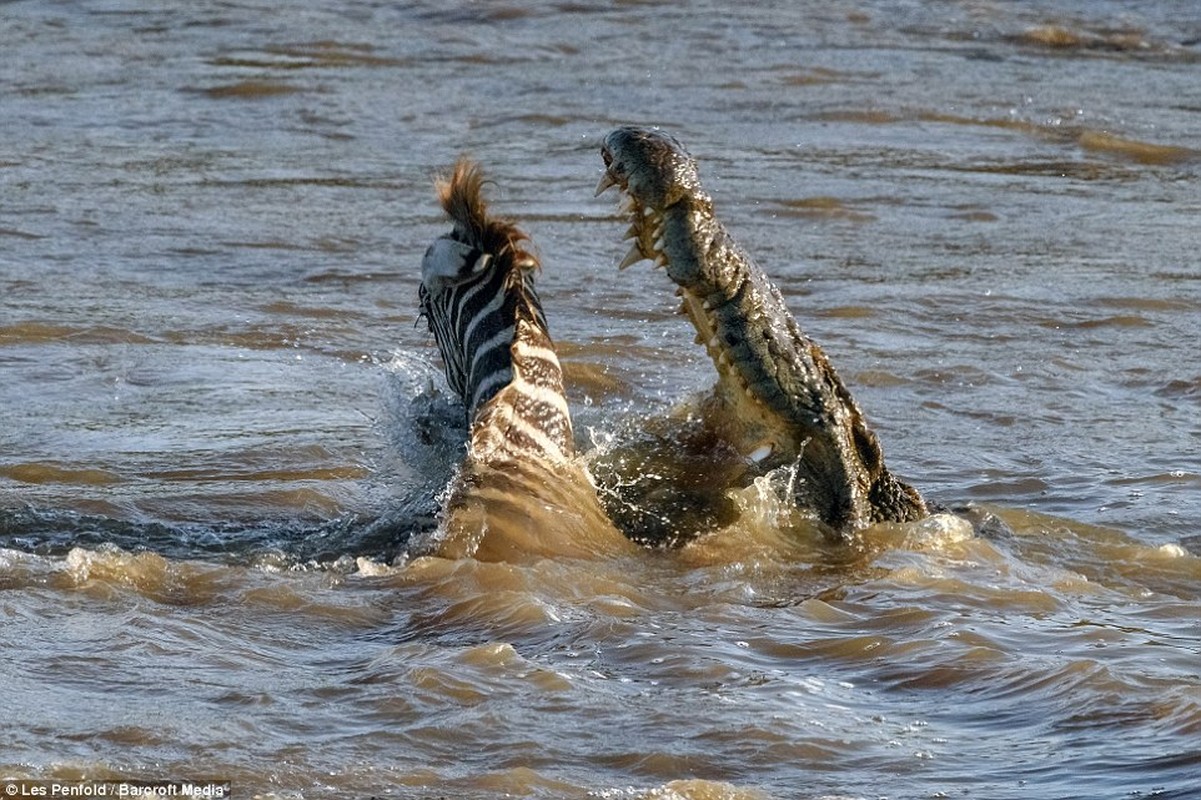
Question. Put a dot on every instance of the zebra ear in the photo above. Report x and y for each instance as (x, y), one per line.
(445, 260)
(481, 263)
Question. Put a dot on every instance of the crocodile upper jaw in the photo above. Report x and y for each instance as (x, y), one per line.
(778, 399)
(672, 225)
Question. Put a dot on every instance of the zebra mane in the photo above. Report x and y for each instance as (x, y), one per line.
(462, 198)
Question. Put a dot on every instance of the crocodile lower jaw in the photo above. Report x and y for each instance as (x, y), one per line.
(737, 413)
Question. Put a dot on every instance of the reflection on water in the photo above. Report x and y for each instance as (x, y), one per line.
(221, 422)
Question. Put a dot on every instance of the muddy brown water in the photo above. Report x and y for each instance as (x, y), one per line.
(215, 427)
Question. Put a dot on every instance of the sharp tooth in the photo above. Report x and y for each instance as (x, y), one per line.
(714, 342)
(660, 260)
(659, 244)
(607, 180)
(759, 453)
(632, 233)
(632, 257)
(648, 211)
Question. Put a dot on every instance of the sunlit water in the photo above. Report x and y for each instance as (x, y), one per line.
(216, 431)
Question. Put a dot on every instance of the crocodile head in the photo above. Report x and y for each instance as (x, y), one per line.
(672, 223)
(658, 180)
(652, 167)
(778, 400)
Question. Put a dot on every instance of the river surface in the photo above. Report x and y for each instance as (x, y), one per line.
(217, 432)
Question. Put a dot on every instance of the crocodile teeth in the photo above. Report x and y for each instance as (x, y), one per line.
(659, 244)
(632, 233)
(607, 180)
(660, 260)
(632, 257)
(759, 453)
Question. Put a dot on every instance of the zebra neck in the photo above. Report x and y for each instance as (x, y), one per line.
(527, 418)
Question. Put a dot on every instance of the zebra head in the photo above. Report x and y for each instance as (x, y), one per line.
(453, 274)
(477, 294)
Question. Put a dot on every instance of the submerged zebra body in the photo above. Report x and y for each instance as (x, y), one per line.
(520, 490)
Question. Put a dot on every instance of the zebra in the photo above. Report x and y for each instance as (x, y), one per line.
(521, 490)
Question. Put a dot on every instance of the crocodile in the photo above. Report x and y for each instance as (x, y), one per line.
(777, 401)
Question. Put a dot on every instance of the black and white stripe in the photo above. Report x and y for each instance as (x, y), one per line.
(489, 326)
(471, 316)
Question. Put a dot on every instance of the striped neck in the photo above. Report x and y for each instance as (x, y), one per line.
(528, 416)
(488, 323)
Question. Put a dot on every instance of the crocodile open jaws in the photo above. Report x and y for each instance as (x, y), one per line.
(778, 400)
